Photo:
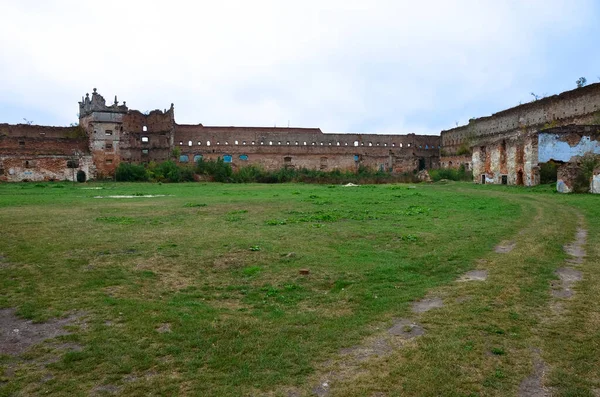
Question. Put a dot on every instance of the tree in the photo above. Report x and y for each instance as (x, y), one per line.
(581, 82)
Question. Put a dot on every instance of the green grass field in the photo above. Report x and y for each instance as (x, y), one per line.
(198, 291)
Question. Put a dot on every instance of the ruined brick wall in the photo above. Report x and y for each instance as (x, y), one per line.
(113, 133)
(274, 148)
(37, 153)
(595, 185)
(147, 137)
(564, 144)
(512, 160)
(568, 146)
(104, 131)
(456, 161)
(579, 106)
(18, 168)
(515, 127)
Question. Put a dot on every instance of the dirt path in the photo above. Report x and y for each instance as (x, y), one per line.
(502, 271)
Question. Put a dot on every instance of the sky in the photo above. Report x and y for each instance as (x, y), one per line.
(369, 66)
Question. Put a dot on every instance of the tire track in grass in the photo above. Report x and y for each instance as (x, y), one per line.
(359, 367)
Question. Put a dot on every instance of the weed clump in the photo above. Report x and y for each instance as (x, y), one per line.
(460, 174)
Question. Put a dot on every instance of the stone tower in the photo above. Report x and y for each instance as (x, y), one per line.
(104, 127)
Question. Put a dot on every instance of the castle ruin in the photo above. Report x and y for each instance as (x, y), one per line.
(110, 134)
(507, 147)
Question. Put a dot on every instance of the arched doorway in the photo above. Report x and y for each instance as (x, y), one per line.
(520, 178)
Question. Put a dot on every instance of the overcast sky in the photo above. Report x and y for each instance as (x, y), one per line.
(345, 66)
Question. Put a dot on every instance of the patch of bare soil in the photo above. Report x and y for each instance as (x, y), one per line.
(164, 328)
(568, 277)
(105, 390)
(406, 329)
(17, 334)
(4, 262)
(576, 249)
(352, 358)
(505, 247)
(563, 288)
(146, 376)
(532, 386)
(378, 347)
(425, 305)
(474, 275)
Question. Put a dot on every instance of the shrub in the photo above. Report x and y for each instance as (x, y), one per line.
(581, 184)
(169, 171)
(217, 169)
(460, 174)
(463, 150)
(548, 172)
(127, 172)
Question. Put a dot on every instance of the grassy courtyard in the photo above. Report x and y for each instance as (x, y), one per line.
(196, 289)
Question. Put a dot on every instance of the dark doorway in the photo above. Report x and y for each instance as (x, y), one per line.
(520, 178)
(421, 164)
(483, 179)
(548, 172)
(505, 179)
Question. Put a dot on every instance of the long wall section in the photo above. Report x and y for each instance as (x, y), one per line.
(274, 148)
(503, 148)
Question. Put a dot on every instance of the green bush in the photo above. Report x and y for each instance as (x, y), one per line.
(217, 169)
(127, 172)
(169, 171)
(460, 174)
(581, 184)
(463, 150)
(548, 172)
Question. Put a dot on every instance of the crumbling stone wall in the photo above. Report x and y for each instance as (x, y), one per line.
(109, 134)
(595, 186)
(17, 168)
(572, 146)
(38, 153)
(563, 144)
(516, 127)
(274, 148)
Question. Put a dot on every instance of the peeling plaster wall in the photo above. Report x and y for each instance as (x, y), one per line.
(595, 186)
(38, 153)
(513, 156)
(19, 168)
(579, 106)
(558, 147)
(569, 144)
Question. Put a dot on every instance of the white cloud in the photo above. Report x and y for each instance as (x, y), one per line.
(379, 66)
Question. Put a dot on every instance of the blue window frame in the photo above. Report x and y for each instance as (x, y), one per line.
(184, 158)
(244, 157)
(227, 158)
